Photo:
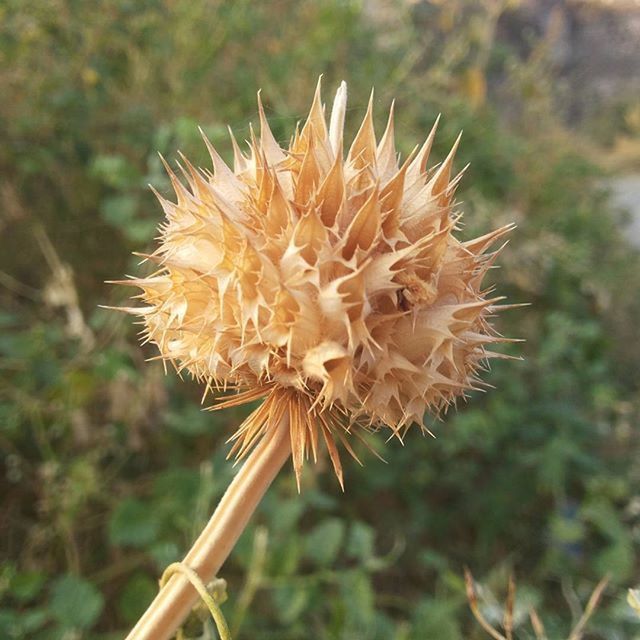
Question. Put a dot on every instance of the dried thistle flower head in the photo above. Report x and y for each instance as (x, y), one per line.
(334, 288)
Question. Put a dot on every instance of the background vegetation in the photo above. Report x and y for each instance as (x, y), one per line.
(109, 468)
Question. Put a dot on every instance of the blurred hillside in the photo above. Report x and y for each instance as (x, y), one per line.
(594, 47)
(109, 467)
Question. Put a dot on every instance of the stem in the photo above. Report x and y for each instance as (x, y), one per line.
(176, 599)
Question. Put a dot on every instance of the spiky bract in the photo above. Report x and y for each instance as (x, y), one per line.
(336, 287)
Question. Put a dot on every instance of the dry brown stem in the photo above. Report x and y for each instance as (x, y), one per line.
(536, 622)
(176, 599)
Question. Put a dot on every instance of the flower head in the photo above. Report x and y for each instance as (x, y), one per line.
(334, 288)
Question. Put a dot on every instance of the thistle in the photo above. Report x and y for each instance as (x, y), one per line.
(334, 290)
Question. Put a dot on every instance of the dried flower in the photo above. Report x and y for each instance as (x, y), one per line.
(334, 289)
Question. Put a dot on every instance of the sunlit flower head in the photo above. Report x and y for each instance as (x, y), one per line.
(334, 288)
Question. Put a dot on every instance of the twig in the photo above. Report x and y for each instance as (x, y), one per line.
(473, 604)
(536, 623)
(508, 611)
(592, 605)
(572, 599)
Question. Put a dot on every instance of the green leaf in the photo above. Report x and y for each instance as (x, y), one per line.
(113, 362)
(32, 620)
(115, 171)
(616, 560)
(566, 530)
(9, 623)
(119, 211)
(164, 553)
(286, 514)
(324, 541)
(357, 593)
(189, 421)
(602, 514)
(360, 543)
(433, 560)
(26, 586)
(135, 596)
(140, 231)
(284, 558)
(436, 619)
(16, 624)
(134, 524)
(75, 603)
(7, 320)
(289, 602)
(175, 491)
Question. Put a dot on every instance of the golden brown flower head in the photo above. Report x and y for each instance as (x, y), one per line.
(336, 287)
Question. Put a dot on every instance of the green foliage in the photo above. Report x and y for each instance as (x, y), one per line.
(110, 468)
(74, 603)
(323, 542)
(133, 524)
(435, 618)
(136, 594)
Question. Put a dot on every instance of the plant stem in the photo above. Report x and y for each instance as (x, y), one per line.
(176, 599)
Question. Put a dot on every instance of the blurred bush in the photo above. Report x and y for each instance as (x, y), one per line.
(110, 468)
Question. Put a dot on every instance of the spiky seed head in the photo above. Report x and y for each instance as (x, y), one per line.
(335, 287)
